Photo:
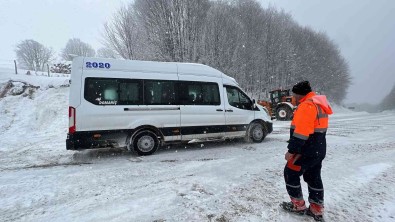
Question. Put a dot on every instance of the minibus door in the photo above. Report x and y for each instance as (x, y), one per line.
(202, 109)
(238, 111)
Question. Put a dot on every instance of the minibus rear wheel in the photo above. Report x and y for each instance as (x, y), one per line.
(257, 132)
(145, 142)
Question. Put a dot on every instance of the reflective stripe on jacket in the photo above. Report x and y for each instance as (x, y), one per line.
(309, 126)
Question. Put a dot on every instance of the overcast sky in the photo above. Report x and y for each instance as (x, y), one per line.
(363, 29)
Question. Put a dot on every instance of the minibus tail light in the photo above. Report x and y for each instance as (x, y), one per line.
(71, 120)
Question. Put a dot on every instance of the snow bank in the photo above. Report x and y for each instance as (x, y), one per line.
(33, 123)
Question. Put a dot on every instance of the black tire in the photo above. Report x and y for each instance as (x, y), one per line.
(145, 143)
(284, 113)
(256, 132)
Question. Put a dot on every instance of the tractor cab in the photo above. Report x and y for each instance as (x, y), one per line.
(279, 95)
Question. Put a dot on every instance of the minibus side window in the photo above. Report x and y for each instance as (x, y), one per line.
(198, 93)
(238, 99)
(130, 92)
(159, 92)
(108, 91)
(233, 96)
(210, 94)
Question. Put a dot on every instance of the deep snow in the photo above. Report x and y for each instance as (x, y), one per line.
(231, 181)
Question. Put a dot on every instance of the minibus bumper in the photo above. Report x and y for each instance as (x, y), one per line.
(79, 141)
(269, 127)
(93, 140)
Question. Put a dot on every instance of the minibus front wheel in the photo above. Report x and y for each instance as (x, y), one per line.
(256, 132)
(145, 142)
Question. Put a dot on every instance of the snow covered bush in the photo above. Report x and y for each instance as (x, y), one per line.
(61, 68)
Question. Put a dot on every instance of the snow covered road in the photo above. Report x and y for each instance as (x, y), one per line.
(230, 181)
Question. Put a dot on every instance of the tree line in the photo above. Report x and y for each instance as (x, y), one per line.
(262, 48)
(33, 55)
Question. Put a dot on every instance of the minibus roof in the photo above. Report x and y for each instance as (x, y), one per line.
(152, 66)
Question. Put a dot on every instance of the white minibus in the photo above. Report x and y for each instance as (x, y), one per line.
(143, 105)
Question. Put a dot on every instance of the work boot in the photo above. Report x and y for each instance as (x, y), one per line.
(295, 206)
(316, 211)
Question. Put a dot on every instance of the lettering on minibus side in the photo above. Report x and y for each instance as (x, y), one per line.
(99, 65)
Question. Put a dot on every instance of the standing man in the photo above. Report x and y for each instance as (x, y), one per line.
(306, 150)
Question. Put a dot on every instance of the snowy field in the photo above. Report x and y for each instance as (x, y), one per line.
(231, 181)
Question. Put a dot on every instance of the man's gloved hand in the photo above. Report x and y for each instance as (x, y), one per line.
(288, 156)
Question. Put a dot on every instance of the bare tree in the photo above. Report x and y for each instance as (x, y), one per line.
(253, 33)
(107, 53)
(33, 55)
(222, 40)
(77, 47)
(173, 27)
(126, 36)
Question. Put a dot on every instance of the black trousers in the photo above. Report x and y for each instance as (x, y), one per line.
(310, 168)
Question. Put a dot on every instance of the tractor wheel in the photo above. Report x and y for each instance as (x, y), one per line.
(283, 113)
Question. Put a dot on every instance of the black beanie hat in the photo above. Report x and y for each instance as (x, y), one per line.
(302, 88)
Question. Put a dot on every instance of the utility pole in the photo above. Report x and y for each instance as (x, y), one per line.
(16, 69)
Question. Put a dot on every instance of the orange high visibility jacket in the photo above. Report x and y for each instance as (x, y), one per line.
(309, 126)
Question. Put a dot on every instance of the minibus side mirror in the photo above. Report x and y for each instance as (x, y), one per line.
(253, 103)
